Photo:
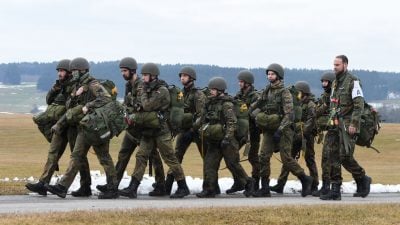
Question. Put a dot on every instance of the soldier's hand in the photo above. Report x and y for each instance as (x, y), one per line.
(352, 130)
(56, 129)
(224, 143)
(85, 109)
(277, 136)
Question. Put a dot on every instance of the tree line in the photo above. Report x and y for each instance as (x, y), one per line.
(376, 85)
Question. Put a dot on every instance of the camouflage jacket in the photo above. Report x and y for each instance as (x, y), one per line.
(132, 95)
(276, 99)
(308, 116)
(155, 98)
(322, 107)
(347, 98)
(194, 101)
(249, 97)
(220, 110)
(60, 92)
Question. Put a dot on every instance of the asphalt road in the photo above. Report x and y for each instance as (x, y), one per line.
(51, 203)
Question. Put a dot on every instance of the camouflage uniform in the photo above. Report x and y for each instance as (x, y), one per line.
(58, 95)
(59, 142)
(349, 107)
(155, 97)
(305, 130)
(132, 135)
(277, 100)
(322, 111)
(249, 97)
(94, 95)
(219, 110)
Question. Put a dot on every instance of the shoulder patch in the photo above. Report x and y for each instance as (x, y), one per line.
(357, 91)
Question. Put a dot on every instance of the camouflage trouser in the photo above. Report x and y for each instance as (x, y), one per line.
(163, 143)
(254, 148)
(309, 157)
(212, 162)
(339, 157)
(129, 143)
(57, 147)
(78, 158)
(285, 149)
(325, 159)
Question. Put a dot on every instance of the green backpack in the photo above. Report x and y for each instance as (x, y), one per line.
(176, 108)
(369, 126)
(109, 85)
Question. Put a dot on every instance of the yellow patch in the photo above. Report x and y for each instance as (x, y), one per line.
(180, 96)
(243, 108)
(114, 91)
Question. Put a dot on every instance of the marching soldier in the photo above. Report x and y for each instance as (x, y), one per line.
(347, 104)
(219, 125)
(274, 115)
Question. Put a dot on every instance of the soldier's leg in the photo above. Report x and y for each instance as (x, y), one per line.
(78, 156)
(183, 141)
(164, 145)
(84, 170)
(285, 146)
(333, 146)
(57, 147)
(212, 162)
(103, 155)
(158, 166)
(266, 151)
(326, 169)
(310, 162)
(128, 146)
(142, 156)
(254, 149)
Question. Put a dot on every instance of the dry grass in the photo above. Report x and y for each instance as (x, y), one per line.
(23, 152)
(379, 214)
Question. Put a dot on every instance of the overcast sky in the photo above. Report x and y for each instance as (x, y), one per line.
(237, 33)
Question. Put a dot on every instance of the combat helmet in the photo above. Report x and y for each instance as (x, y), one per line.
(63, 64)
(79, 64)
(329, 76)
(278, 69)
(189, 71)
(128, 62)
(150, 68)
(303, 86)
(246, 76)
(218, 83)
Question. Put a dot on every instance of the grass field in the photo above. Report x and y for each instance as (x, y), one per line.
(23, 151)
(380, 214)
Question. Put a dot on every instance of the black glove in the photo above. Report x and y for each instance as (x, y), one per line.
(277, 136)
(224, 143)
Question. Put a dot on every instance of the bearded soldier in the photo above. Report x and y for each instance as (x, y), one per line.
(61, 136)
(88, 94)
(347, 104)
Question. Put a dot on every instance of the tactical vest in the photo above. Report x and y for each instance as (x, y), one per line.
(345, 101)
(189, 107)
(323, 119)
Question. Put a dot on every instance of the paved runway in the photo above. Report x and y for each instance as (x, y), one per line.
(38, 204)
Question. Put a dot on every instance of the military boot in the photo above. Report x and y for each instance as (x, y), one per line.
(169, 181)
(235, 187)
(83, 191)
(110, 193)
(38, 188)
(182, 190)
(278, 188)
(324, 189)
(217, 189)
(57, 189)
(159, 190)
(306, 182)
(101, 187)
(264, 190)
(249, 187)
(366, 186)
(256, 182)
(359, 187)
(206, 194)
(131, 190)
(333, 194)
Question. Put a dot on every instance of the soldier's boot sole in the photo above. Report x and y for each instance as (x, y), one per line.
(37, 188)
(55, 189)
